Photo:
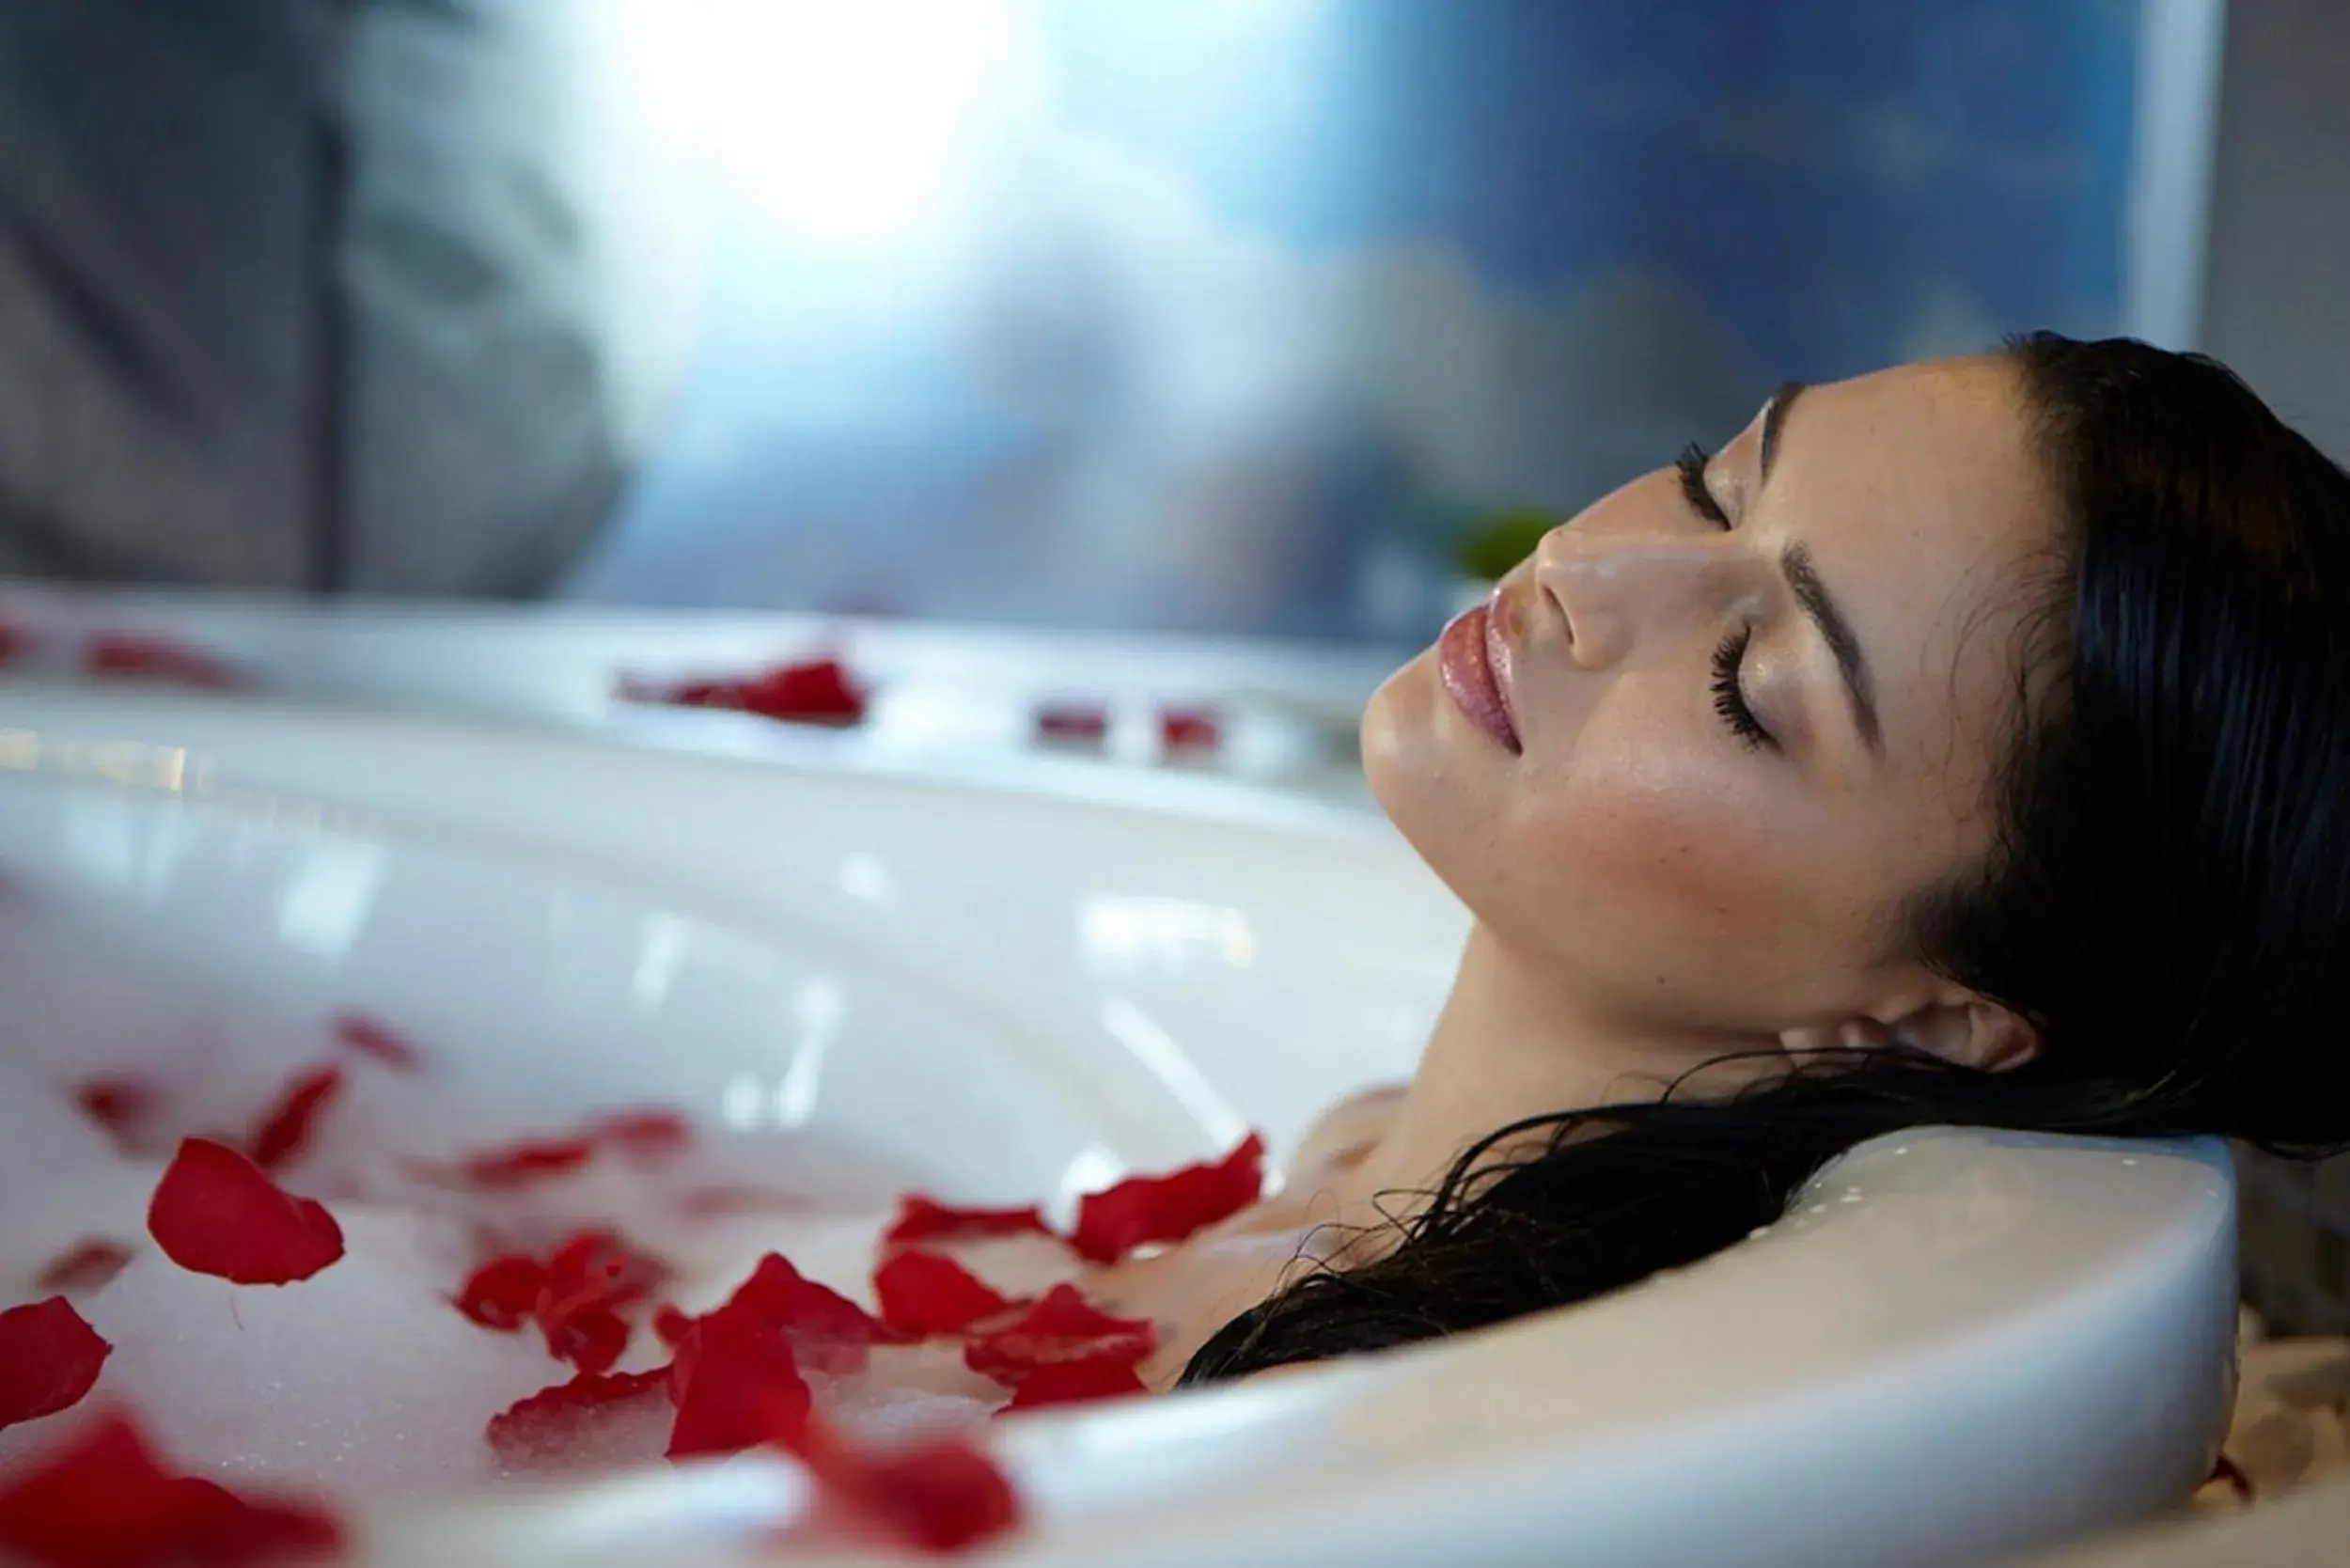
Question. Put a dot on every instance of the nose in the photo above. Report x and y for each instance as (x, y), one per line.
(1620, 593)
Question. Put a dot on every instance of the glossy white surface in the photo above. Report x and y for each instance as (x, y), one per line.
(1287, 709)
(1957, 1344)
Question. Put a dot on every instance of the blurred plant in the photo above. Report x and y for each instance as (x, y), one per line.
(1494, 542)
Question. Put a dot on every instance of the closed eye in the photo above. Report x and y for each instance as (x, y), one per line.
(1730, 697)
(1692, 464)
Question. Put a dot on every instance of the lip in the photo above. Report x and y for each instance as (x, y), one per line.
(1473, 658)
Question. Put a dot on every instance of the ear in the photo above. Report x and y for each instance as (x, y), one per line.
(1959, 1027)
(1968, 1030)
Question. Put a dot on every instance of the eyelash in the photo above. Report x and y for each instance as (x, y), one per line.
(1692, 464)
(1729, 700)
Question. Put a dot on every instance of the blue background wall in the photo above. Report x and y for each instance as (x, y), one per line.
(1228, 314)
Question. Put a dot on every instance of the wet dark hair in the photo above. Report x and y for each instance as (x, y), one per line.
(2167, 901)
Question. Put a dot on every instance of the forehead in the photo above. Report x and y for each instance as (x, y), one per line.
(1920, 497)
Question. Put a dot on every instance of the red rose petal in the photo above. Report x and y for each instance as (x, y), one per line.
(784, 1298)
(518, 1164)
(921, 1217)
(921, 1293)
(15, 641)
(579, 1291)
(378, 1042)
(530, 1426)
(642, 1133)
(1189, 729)
(671, 1326)
(941, 1495)
(215, 1212)
(88, 1265)
(115, 1104)
(49, 1358)
(574, 1297)
(1072, 721)
(1062, 1327)
(645, 1134)
(1145, 1209)
(502, 1292)
(736, 1386)
(819, 691)
(103, 1501)
(589, 1338)
(1076, 1383)
(596, 1267)
(286, 1130)
(157, 659)
(824, 1325)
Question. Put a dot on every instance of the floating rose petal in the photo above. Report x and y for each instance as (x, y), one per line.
(157, 659)
(117, 1103)
(921, 1217)
(1072, 721)
(501, 1293)
(941, 1495)
(670, 1326)
(531, 1425)
(215, 1212)
(286, 1130)
(819, 691)
(519, 1163)
(1063, 1327)
(1189, 729)
(103, 1501)
(645, 1134)
(574, 1297)
(49, 1358)
(15, 641)
(1076, 1383)
(825, 1327)
(782, 1297)
(642, 1133)
(595, 1267)
(378, 1041)
(922, 1293)
(736, 1387)
(85, 1267)
(589, 1338)
(1145, 1209)
(586, 1283)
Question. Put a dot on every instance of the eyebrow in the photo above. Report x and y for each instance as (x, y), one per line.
(1803, 581)
(1774, 417)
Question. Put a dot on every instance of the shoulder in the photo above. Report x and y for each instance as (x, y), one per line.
(1343, 1132)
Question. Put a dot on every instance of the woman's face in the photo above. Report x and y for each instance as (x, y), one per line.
(1701, 747)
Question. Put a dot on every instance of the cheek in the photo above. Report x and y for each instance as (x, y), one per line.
(1642, 831)
(1663, 856)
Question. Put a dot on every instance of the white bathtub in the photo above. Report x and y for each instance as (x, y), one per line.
(1956, 1345)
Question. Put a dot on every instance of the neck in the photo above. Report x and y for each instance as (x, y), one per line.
(1513, 1042)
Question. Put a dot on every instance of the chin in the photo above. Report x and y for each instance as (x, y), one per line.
(1419, 757)
(1398, 730)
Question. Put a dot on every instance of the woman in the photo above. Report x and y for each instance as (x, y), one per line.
(1968, 743)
